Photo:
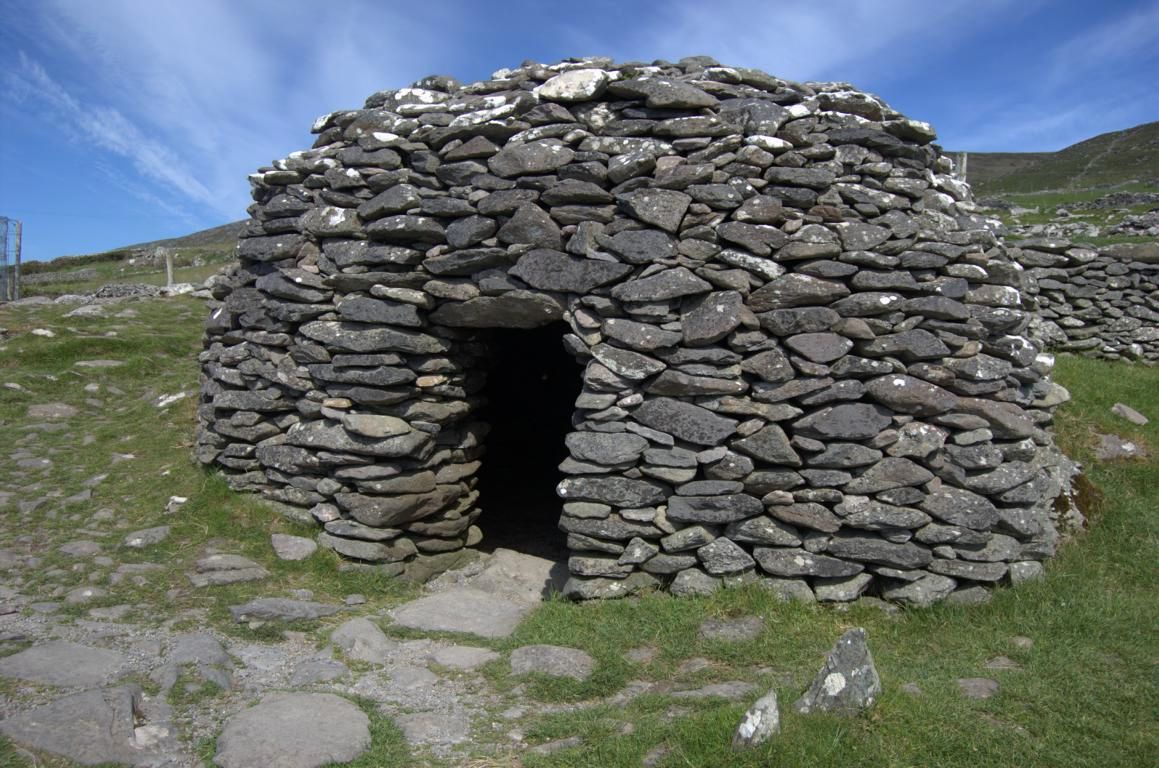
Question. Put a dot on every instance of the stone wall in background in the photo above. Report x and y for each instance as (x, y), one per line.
(805, 355)
(1101, 301)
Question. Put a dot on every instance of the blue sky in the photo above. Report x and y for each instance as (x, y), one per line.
(124, 121)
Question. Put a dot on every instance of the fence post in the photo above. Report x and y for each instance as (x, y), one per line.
(16, 266)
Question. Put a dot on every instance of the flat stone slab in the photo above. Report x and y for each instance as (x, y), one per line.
(553, 660)
(296, 730)
(732, 690)
(99, 363)
(288, 547)
(463, 609)
(63, 664)
(281, 609)
(464, 657)
(520, 577)
(51, 411)
(977, 687)
(425, 728)
(362, 640)
(91, 728)
(732, 630)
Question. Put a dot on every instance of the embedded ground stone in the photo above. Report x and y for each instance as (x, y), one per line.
(790, 362)
(295, 730)
(552, 660)
(848, 681)
(64, 664)
(91, 728)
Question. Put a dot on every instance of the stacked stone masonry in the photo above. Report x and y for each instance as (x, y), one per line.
(1097, 302)
(804, 353)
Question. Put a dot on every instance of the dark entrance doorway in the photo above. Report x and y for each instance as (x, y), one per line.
(532, 385)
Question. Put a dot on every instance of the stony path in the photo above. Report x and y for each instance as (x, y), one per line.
(99, 689)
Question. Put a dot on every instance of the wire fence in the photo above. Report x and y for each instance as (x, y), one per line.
(10, 234)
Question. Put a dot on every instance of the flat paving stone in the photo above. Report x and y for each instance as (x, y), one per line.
(462, 609)
(463, 657)
(732, 630)
(731, 689)
(64, 664)
(51, 411)
(427, 728)
(281, 609)
(288, 547)
(296, 730)
(146, 537)
(553, 660)
(977, 687)
(362, 640)
(91, 728)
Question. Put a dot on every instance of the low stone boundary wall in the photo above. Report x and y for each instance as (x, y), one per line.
(1101, 302)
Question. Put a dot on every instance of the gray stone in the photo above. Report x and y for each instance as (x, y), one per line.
(685, 421)
(715, 510)
(843, 589)
(732, 690)
(856, 421)
(281, 609)
(434, 728)
(977, 687)
(94, 727)
(763, 530)
(874, 549)
(362, 640)
(533, 157)
(798, 562)
(288, 547)
(63, 664)
(318, 671)
(642, 246)
(712, 318)
(531, 225)
(722, 556)
(552, 660)
(848, 681)
(760, 723)
(819, 347)
(669, 284)
(663, 93)
(925, 591)
(910, 395)
(1130, 414)
(957, 506)
(294, 730)
(462, 609)
(738, 630)
(795, 290)
(514, 309)
(463, 657)
(770, 445)
(574, 85)
(146, 537)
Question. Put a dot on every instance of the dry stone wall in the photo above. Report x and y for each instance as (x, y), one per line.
(804, 353)
(1101, 302)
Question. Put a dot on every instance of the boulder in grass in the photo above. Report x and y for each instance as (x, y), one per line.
(847, 683)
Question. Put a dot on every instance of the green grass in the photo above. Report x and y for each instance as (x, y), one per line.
(1085, 693)
(1104, 160)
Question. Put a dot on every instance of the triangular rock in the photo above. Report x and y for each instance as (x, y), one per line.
(848, 683)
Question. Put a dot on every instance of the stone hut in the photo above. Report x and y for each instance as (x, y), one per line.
(700, 323)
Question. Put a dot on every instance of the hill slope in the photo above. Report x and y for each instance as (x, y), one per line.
(1104, 160)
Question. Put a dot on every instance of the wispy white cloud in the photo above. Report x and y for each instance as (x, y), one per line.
(196, 96)
(1113, 42)
(842, 39)
(104, 128)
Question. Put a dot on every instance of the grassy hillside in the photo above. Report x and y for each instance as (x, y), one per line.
(1109, 159)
